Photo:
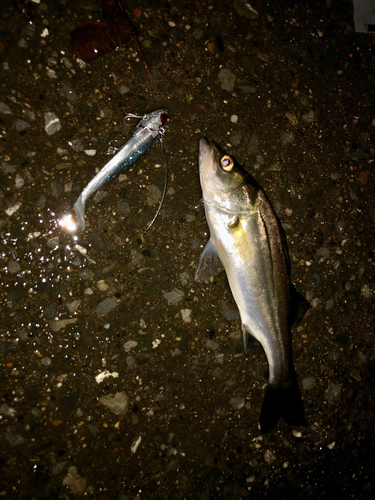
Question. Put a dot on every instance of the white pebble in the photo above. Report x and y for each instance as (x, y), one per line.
(234, 119)
(11, 210)
(90, 152)
(19, 181)
(102, 285)
(186, 315)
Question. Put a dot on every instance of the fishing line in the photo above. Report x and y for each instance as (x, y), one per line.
(162, 196)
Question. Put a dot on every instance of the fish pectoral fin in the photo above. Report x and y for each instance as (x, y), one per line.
(298, 306)
(209, 264)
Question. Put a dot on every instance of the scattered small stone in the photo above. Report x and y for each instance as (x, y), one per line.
(130, 361)
(135, 444)
(335, 176)
(227, 79)
(237, 402)
(123, 208)
(90, 152)
(229, 314)
(103, 375)
(309, 117)
(269, 457)
(46, 361)
(174, 296)
(52, 123)
(13, 437)
(13, 209)
(102, 285)
(293, 120)
(124, 89)
(117, 403)
(186, 315)
(156, 343)
(7, 410)
(286, 137)
(74, 481)
(137, 258)
(59, 324)
(153, 195)
(253, 144)
(129, 345)
(330, 446)
(106, 306)
(234, 119)
(329, 304)
(308, 383)
(58, 468)
(5, 109)
(211, 344)
(21, 125)
(19, 182)
(76, 145)
(14, 267)
(366, 292)
(333, 392)
(248, 89)
(297, 434)
(69, 94)
(73, 306)
(219, 358)
(245, 9)
(184, 278)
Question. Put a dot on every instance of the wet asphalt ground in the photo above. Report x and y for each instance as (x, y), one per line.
(121, 377)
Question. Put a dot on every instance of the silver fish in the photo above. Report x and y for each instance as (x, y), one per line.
(247, 240)
(150, 126)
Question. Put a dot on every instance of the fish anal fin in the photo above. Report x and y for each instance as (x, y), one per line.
(298, 307)
(245, 337)
(209, 264)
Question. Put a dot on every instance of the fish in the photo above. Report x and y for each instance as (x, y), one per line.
(248, 242)
(150, 126)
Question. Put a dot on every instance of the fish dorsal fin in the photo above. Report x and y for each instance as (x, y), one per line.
(209, 264)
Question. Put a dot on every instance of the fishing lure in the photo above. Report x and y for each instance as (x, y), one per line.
(149, 127)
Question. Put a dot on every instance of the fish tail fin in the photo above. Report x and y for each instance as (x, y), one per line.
(79, 208)
(285, 402)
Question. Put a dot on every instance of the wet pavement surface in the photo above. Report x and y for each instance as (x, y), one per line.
(121, 377)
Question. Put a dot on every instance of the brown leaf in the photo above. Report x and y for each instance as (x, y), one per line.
(92, 39)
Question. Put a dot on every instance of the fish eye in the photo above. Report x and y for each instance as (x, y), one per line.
(227, 163)
(164, 117)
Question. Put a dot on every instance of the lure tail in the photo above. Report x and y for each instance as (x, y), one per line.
(285, 402)
(79, 208)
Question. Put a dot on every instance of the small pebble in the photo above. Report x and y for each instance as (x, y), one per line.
(117, 403)
(234, 119)
(237, 402)
(102, 285)
(52, 123)
(13, 267)
(129, 345)
(186, 315)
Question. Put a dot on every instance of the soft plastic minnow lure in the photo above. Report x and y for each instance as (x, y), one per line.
(149, 127)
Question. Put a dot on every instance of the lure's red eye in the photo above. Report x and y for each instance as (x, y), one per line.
(164, 117)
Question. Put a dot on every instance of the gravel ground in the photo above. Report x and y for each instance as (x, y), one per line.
(121, 377)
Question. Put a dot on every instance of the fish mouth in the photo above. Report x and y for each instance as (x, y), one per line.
(207, 163)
